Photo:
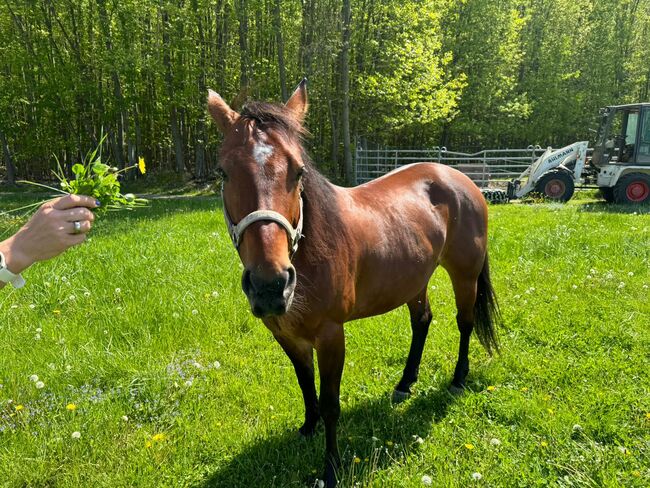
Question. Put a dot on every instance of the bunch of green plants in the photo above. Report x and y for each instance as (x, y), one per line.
(93, 178)
(101, 181)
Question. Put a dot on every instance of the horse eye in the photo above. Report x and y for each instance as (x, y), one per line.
(300, 173)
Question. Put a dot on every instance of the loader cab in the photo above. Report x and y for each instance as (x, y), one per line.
(623, 137)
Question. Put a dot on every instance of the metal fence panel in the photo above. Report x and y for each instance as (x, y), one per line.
(486, 168)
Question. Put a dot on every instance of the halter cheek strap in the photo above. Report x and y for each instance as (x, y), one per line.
(236, 231)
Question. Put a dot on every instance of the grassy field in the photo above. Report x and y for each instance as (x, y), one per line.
(152, 371)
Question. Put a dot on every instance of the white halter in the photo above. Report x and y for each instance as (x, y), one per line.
(237, 230)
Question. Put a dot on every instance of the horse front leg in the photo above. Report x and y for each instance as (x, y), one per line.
(330, 349)
(301, 354)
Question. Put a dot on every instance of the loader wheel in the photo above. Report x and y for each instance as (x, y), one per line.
(632, 188)
(607, 192)
(556, 185)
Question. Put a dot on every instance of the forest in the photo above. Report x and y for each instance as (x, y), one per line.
(465, 74)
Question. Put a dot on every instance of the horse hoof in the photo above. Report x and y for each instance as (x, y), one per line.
(400, 396)
(308, 430)
(456, 390)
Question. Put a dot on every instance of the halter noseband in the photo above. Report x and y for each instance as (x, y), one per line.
(237, 230)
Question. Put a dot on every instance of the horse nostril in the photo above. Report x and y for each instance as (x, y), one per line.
(246, 282)
(291, 276)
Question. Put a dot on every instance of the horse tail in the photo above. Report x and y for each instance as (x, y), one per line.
(486, 311)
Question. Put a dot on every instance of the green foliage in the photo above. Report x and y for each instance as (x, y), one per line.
(457, 73)
(99, 180)
(146, 331)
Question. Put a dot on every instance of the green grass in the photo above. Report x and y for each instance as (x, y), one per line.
(129, 328)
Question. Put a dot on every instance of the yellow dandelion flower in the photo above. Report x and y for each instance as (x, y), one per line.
(469, 446)
(141, 166)
(491, 388)
(357, 460)
(647, 416)
(550, 411)
(636, 474)
(313, 471)
(159, 437)
(389, 443)
(71, 407)
(543, 444)
(147, 444)
(19, 408)
(366, 460)
(56, 312)
(524, 389)
(547, 397)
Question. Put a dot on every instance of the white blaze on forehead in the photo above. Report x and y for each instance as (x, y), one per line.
(262, 152)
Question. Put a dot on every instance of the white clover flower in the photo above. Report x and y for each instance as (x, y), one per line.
(195, 312)
(477, 476)
(86, 294)
(125, 418)
(32, 306)
(118, 291)
(216, 365)
(72, 298)
(426, 480)
(14, 306)
(495, 442)
(39, 385)
(33, 378)
(621, 285)
(215, 294)
(37, 337)
(577, 428)
(76, 434)
(575, 287)
(188, 383)
(39, 330)
(631, 273)
(374, 439)
(175, 315)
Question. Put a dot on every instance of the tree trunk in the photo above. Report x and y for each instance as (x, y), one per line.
(345, 86)
(11, 169)
(277, 25)
(118, 146)
(179, 151)
(244, 56)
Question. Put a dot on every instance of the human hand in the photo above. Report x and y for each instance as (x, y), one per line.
(50, 231)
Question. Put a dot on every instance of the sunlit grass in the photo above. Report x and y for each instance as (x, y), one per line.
(145, 331)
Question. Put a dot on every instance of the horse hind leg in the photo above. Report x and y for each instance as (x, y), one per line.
(477, 306)
(420, 321)
(465, 294)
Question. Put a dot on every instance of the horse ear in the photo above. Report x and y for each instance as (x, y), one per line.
(222, 114)
(297, 102)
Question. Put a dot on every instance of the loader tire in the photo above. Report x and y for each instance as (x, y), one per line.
(607, 192)
(633, 188)
(556, 185)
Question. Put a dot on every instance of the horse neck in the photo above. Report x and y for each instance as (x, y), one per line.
(324, 229)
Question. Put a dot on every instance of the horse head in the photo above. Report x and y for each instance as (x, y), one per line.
(262, 166)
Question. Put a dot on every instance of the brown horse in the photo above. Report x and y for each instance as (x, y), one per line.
(364, 250)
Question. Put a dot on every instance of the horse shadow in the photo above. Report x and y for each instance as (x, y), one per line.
(373, 434)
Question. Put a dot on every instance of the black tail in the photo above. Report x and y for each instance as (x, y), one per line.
(486, 311)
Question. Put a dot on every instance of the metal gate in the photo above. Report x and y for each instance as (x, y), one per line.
(488, 168)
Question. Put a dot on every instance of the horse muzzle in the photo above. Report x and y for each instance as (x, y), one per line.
(269, 296)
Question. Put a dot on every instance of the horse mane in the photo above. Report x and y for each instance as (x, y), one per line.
(323, 229)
